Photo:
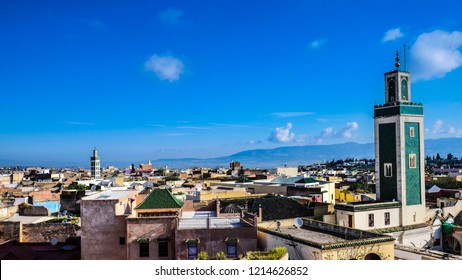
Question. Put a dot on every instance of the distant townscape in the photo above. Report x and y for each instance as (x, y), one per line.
(399, 203)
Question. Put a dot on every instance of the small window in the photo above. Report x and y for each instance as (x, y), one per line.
(371, 220)
(411, 132)
(144, 249)
(163, 248)
(121, 240)
(192, 251)
(231, 250)
(387, 169)
(387, 218)
(412, 161)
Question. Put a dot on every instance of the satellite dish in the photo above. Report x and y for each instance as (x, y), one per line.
(54, 240)
(64, 212)
(64, 221)
(93, 188)
(298, 222)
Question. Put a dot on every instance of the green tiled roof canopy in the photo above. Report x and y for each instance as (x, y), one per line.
(160, 198)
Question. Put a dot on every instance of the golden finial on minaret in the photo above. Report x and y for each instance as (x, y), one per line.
(397, 60)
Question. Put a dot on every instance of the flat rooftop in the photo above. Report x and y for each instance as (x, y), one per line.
(111, 195)
(322, 235)
(30, 219)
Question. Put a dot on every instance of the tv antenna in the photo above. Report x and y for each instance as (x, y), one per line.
(406, 48)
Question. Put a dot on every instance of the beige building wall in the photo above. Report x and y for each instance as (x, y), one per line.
(361, 218)
(287, 171)
(299, 251)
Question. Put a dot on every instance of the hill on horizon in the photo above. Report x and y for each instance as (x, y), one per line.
(272, 158)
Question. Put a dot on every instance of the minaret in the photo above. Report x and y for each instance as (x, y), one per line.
(95, 165)
(399, 147)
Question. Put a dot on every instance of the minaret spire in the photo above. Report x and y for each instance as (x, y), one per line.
(397, 60)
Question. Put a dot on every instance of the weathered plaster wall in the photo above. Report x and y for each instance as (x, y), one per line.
(212, 241)
(151, 228)
(101, 230)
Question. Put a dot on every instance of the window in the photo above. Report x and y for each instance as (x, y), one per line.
(163, 248)
(411, 132)
(144, 249)
(371, 220)
(231, 250)
(121, 240)
(387, 218)
(387, 169)
(192, 251)
(412, 161)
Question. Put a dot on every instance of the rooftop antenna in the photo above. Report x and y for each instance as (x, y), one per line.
(406, 48)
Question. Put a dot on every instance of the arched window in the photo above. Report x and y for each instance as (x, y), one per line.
(391, 90)
(404, 90)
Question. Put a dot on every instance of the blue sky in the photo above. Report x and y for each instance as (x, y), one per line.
(145, 80)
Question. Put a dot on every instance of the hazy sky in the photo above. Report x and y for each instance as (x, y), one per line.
(164, 79)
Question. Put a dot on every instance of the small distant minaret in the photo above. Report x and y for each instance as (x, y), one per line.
(95, 165)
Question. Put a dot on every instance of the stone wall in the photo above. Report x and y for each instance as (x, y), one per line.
(34, 211)
(44, 232)
(68, 200)
(10, 231)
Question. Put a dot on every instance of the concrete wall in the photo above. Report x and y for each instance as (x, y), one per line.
(361, 219)
(417, 238)
(453, 210)
(262, 189)
(151, 228)
(44, 232)
(6, 212)
(212, 241)
(101, 230)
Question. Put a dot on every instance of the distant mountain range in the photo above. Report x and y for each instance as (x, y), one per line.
(303, 155)
(290, 156)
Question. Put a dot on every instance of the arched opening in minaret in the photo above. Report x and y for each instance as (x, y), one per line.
(391, 91)
(372, 256)
(404, 90)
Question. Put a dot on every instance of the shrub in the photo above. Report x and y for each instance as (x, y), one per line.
(202, 256)
(274, 254)
(220, 256)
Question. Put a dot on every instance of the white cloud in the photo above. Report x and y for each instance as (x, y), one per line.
(440, 129)
(170, 15)
(292, 114)
(282, 134)
(435, 54)
(317, 43)
(345, 132)
(437, 127)
(255, 142)
(392, 35)
(165, 67)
